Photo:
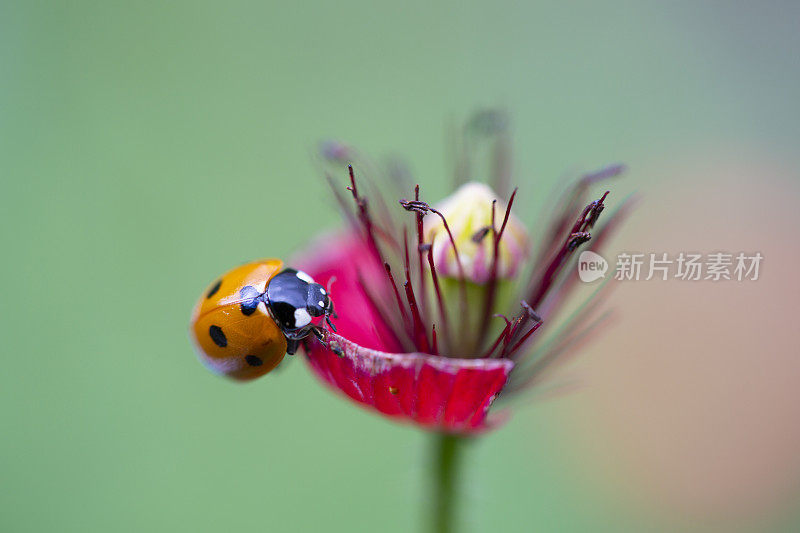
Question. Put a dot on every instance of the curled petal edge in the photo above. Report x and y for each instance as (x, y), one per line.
(438, 393)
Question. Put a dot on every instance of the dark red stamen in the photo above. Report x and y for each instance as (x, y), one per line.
(398, 299)
(521, 322)
(420, 333)
(597, 210)
(500, 337)
(419, 206)
(522, 340)
(508, 338)
(420, 252)
(613, 222)
(439, 299)
(364, 216)
(577, 236)
(508, 213)
(568, 205)
(491, 288)
(406, 262)
(369, 228)
(529, 311)
(340, 199)
(420, 336)
(512, 337)
(382, 313)
(462, 281)
(576, 239)
(353, 188)
(558, 294)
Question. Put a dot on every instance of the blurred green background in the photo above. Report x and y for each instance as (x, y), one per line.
(146, 146)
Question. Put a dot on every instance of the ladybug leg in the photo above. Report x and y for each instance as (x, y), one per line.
(332, 345)
(330, 312)
(330, 324)
(292, 345)
(319, 333)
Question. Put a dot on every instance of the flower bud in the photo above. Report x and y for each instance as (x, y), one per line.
(468, 212)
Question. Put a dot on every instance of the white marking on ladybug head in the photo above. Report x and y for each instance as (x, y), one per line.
(322, 291)
(301, 318)
(305, 277)
(321, 304)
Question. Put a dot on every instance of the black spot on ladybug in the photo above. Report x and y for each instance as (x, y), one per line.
(251, 298)
(218, 336)
(213, 290)
(252, 360)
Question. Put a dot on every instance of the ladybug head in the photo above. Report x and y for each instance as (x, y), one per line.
(319, 302)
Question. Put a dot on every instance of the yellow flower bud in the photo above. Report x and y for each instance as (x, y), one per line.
(468, 212)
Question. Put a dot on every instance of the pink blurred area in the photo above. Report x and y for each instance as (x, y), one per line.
(690, 405)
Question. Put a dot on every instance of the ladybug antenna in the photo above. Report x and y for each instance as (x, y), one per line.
(330, 283)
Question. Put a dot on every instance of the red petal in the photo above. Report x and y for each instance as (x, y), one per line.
(438, 393)
(344, 258)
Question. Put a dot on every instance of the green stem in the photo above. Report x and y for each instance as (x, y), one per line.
(445, 471)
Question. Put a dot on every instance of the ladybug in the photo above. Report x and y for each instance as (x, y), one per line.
(253, 315)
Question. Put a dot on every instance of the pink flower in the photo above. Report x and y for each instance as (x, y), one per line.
(366, 361)
(423, 334)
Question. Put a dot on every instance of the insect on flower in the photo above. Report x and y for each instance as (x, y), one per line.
(248, 319)
(440, 311)
(440, 308)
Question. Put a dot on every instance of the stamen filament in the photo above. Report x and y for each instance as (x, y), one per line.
(500, 337)
(365, 218)
(420, 252)
(420, 336)
(577, 236)
(397, 297)
(420, 332)
(570, 203)
(462, 280)
(385, 317)
(445, 322)
(524, 338)
(491, 289)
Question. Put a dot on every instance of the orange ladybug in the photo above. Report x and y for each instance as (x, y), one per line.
(253, 315)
